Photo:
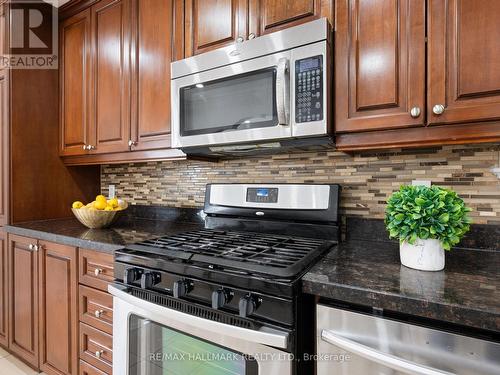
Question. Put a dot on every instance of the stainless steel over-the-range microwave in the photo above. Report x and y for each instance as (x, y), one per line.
(259, 94)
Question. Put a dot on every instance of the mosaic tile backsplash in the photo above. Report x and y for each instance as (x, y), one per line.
(367, 178)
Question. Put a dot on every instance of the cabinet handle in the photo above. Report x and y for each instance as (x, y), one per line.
(438, 109)
(99, 353)
(239, 39)
(90, 147)
(97, 271)
(98, 313)
(415, 112)
(251, 36)
(132, 143)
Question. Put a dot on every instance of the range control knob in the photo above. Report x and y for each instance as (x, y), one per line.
(149, 279)
(181, 288)
(247, 305)
(220, 297)
(131, 274)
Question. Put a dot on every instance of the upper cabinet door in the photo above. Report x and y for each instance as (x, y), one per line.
(110, 105)
(211, 24)
(463, 61)
(151, 74)
(276, 15)
(379, 64)
(75, 78)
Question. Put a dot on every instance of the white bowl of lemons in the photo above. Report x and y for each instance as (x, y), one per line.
(100, 213)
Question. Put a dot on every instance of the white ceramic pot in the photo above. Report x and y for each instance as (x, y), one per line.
(425, 255)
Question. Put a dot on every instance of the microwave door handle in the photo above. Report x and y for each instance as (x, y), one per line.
(374, 355)
(283, 91)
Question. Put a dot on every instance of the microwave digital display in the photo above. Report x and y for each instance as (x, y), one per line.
(307, 64)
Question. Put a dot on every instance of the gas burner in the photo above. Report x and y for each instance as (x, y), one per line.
(246, 252)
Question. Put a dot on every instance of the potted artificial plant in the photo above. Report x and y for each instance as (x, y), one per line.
(427, 221)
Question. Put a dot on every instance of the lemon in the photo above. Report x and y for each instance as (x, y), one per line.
(108, 208)
(113, 202)
(77, 204)
(100, 205)
(90, 205)
(100, 198)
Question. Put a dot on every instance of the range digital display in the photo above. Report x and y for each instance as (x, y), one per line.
(262, 195)
(262, 192)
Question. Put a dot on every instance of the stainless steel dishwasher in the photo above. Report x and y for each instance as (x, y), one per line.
(352, 343)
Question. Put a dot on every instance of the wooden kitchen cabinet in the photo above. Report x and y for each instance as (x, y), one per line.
(463, 61)
(4, 290)
(74, 36)
(380, 64)
(153, 46)
(267, 16)
(110, 83)
(4, 147)
(23, 299)
(212, 24)
(58, 318)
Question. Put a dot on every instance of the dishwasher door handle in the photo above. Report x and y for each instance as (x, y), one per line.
(388, 360)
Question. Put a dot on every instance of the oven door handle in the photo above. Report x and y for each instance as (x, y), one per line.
(283, 91)
(385, 359)
(265, 336)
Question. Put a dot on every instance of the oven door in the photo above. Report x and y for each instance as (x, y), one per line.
(150, 339)
(243, 102)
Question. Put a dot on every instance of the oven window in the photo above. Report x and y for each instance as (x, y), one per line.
(158, 350)
(245, 101)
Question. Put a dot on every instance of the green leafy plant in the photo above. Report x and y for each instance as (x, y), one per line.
(427, 212)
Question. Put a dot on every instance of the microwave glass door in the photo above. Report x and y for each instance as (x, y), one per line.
(244, 101)
(155, 349)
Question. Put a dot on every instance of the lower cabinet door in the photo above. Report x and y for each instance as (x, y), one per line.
(96, 348)
(23, 298)
(58, 281)
(4, 338)
(86, 369)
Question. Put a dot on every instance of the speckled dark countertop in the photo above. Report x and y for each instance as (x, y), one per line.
(127, 230)
(369, 273)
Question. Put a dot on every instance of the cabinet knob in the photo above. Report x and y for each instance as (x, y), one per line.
(35, 248)
(97, 271)
(31, 246)
(84, 147)
(90, 147)
(132, 143)
(99, 353)
(415, 112)
(239, 39)
(98, 313)
(251, 36)
(438, 109)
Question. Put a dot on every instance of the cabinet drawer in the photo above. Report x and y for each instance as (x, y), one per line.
(96, 309)
(96, 348)
(96, 269)
(86, 369)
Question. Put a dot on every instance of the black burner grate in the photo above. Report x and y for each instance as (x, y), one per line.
(256, 252)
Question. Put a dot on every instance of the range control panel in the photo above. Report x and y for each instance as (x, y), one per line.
(309, 89)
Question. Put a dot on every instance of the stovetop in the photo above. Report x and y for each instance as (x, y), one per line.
(252, 253)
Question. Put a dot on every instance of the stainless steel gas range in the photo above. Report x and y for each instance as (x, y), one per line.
(226, 299)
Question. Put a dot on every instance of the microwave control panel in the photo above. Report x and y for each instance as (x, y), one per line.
(309, 89)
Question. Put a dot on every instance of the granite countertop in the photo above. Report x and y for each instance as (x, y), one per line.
(369, 273)
(125, 231)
